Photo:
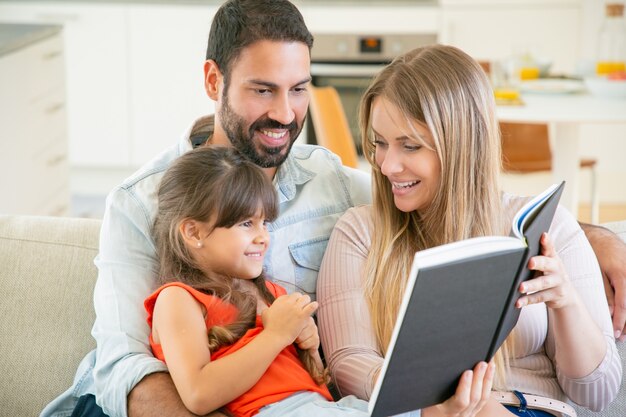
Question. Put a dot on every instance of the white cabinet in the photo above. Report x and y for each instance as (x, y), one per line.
(490, 30)
(98, 87)
(135, 77)
(97, 75)
(167, 49)
(34, 170)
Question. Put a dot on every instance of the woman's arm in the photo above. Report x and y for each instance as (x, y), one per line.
(206, 385)
(579, 343)
(346, 333)
(580, 337)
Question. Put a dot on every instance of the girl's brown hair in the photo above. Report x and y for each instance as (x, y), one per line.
(218, 185)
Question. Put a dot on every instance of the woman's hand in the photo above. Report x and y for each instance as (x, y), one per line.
(288, 315)
(472, 393)
(551, 285)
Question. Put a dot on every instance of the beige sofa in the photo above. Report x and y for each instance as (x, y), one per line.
(47, 277)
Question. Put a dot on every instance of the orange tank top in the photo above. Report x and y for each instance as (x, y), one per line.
(284, 377)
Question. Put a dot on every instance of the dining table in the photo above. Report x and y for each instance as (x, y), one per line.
(564, 114)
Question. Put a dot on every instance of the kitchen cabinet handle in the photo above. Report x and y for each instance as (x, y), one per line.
(54, 108)
(51, 55)
(58, 210)
(55, 160)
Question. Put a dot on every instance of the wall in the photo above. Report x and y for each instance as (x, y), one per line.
(160, 72)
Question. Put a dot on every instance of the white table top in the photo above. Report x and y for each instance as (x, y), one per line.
(565, 113)
(565, 108)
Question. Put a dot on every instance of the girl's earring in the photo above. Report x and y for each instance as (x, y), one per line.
(199, 244)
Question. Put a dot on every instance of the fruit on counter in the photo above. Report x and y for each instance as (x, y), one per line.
(608, 67)
(528, 73)
(503, 93)
(617, 75)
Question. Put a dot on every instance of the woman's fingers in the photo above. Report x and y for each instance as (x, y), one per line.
(550, 285)
(487, 384)
(547, 247)
(472, 392)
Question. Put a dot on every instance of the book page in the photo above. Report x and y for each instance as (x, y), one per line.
(528, 211)
(465, 249)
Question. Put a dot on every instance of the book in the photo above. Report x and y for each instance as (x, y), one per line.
(457, 310)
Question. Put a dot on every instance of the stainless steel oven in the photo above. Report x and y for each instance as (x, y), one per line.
(348, 62)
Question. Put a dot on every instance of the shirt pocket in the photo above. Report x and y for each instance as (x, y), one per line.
(307, 256)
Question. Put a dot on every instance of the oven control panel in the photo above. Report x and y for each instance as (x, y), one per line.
(365, 48)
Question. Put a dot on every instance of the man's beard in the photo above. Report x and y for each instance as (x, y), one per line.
(243, 141)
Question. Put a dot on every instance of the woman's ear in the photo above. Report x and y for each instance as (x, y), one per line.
(191, 232)
(213, 79)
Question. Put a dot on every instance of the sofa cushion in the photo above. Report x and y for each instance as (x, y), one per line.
(47, 277)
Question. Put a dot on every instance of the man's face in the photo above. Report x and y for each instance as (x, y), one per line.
(263, 107)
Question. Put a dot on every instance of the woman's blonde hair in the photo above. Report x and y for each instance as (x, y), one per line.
(447, 91)
(215, 184)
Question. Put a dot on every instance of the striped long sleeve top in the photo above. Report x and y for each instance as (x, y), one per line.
(350, 346)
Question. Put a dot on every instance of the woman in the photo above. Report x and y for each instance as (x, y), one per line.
(431, 136)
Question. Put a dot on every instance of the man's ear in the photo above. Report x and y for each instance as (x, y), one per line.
(213, 79)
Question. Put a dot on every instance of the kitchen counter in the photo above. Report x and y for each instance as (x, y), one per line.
(17, 36)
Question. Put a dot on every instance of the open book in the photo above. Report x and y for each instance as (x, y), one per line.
(458, 308)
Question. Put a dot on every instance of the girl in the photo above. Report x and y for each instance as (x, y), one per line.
(431, 136)
(226, 333)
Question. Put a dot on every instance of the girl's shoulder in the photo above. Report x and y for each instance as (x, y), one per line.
(275, 289)
(212, 306)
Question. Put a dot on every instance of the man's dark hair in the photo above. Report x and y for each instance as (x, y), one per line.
(240, 23)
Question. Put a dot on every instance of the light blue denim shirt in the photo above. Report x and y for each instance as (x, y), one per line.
(314, 191)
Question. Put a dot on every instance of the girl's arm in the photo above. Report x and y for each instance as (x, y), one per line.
(206, 385)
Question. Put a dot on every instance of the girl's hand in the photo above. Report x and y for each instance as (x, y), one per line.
(288, 316)
(551, 285)
(309, 338)
(472, 393)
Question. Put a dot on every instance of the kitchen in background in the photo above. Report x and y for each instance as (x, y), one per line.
(133, 73)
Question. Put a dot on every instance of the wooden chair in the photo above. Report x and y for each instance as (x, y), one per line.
(331, 125)
(526, 148)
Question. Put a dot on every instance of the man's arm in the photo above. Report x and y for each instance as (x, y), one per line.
(156, 395)
(611, 253)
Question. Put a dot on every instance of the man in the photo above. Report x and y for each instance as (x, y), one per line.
(257, 71)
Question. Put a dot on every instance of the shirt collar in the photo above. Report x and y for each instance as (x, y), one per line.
(289, 175)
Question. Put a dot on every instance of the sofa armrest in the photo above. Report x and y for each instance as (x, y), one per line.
(47, 277)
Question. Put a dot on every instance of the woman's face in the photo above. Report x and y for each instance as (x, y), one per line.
(412, 168)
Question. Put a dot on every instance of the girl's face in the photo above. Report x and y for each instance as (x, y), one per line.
(236, 251)
(412, 168)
